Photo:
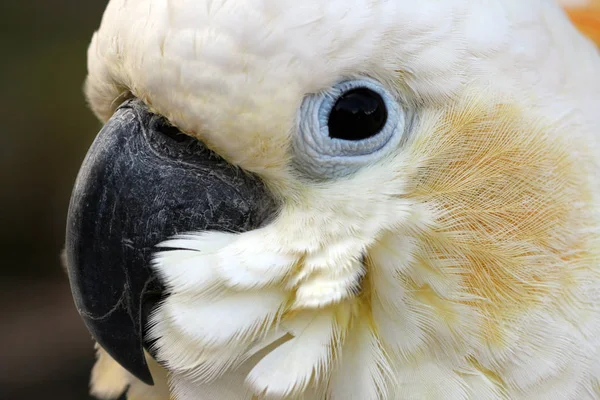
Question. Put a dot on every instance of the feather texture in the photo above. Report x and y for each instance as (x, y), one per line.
(363, 371)
(465, 265)
(461, 293)
(289, 369)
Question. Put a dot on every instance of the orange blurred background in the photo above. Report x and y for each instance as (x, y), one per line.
(45, 351)
(586, 15)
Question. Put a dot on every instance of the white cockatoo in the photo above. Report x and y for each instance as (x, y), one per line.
(341, 199)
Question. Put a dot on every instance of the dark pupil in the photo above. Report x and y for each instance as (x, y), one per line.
(358, 114)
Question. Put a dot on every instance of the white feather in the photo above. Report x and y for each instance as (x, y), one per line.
(204, 339)
(430, 380)
(401, 324)
(289, 369)
(204, 242)
(236, 261)
(362, 371)
(247, 265)
(187, 271)
(556, 358)
(231, 385)
(482, 387)
(232, 317)
(339, 255)
(182, 356)
(233, 73)
(329, 286)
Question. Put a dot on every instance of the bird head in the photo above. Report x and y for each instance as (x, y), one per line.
(341, 199)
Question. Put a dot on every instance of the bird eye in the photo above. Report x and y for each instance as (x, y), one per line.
(358, 114)
(352, 124)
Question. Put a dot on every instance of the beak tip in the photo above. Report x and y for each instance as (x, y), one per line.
(125, 349)
(136, 365)
(113, 320)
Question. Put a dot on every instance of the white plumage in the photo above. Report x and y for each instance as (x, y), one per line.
(464, 266)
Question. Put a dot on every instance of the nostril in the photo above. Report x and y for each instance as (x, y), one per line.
(169, 141)
(163, 133)
(164, 127)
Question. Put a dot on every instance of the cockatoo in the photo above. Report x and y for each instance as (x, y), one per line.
(341, 199)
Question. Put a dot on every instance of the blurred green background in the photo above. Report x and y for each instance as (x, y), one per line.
(45, 351)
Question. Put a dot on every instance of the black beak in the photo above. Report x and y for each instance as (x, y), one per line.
(141, 182)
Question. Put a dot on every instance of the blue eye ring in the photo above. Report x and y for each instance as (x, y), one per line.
(320, 156)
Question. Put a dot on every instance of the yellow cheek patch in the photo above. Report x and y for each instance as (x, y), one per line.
(512, 205)
(587, 19)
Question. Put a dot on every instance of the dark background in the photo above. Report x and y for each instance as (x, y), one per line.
(46, 128)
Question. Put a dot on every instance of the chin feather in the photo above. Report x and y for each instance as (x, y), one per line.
(224, 331)
(230, 385)
(329, 286)
(230, 317)
(431, 380)
(363, 371)
(289, 369)
(200, 263)
(189, 271)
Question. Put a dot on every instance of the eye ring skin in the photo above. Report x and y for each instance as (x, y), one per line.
(319, 156)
